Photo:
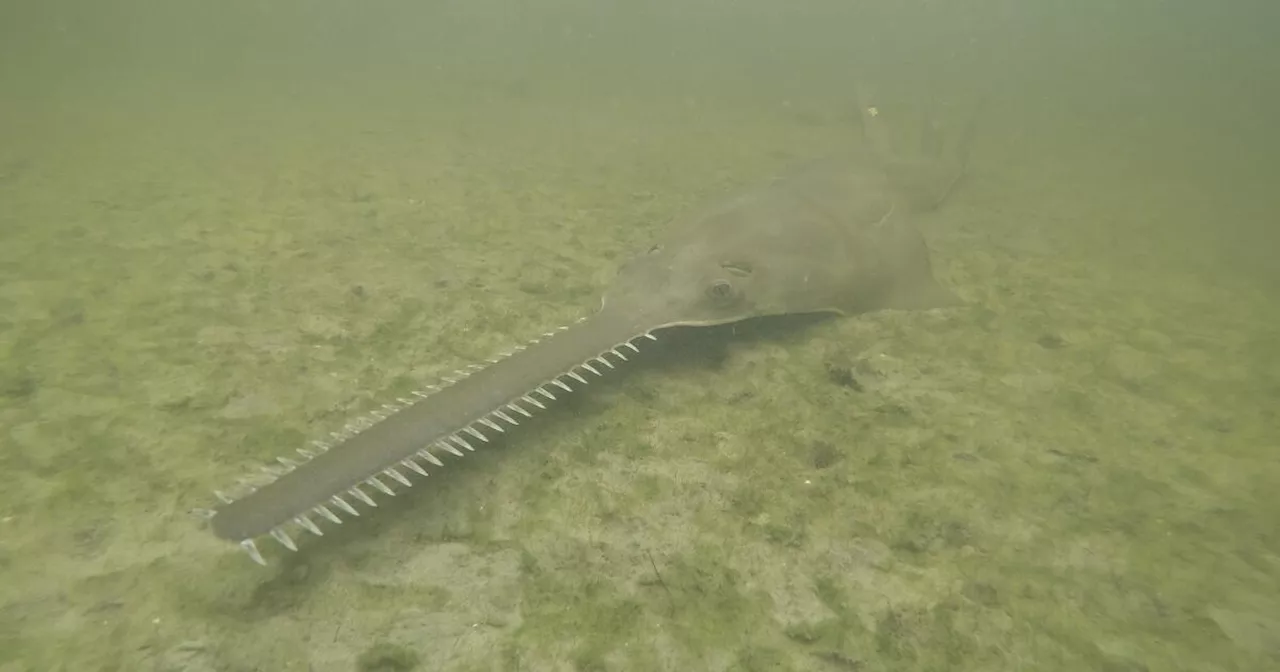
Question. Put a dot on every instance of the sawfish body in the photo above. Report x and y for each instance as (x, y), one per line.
(830, 236)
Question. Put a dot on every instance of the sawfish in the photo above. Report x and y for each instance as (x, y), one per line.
(834, 235)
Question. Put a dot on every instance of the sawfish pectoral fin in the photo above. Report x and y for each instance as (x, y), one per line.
(898, 276)
(917, 293)
(921, 294)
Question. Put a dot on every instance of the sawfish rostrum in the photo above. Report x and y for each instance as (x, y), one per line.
(833, 236)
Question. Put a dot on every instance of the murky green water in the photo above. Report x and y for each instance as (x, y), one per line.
(228, 228)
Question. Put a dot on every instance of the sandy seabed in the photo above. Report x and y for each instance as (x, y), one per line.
(1073, 471)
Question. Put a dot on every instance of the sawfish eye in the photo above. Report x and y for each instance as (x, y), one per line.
(720, 291)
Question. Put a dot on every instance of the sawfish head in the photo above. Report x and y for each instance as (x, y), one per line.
(814, 243)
